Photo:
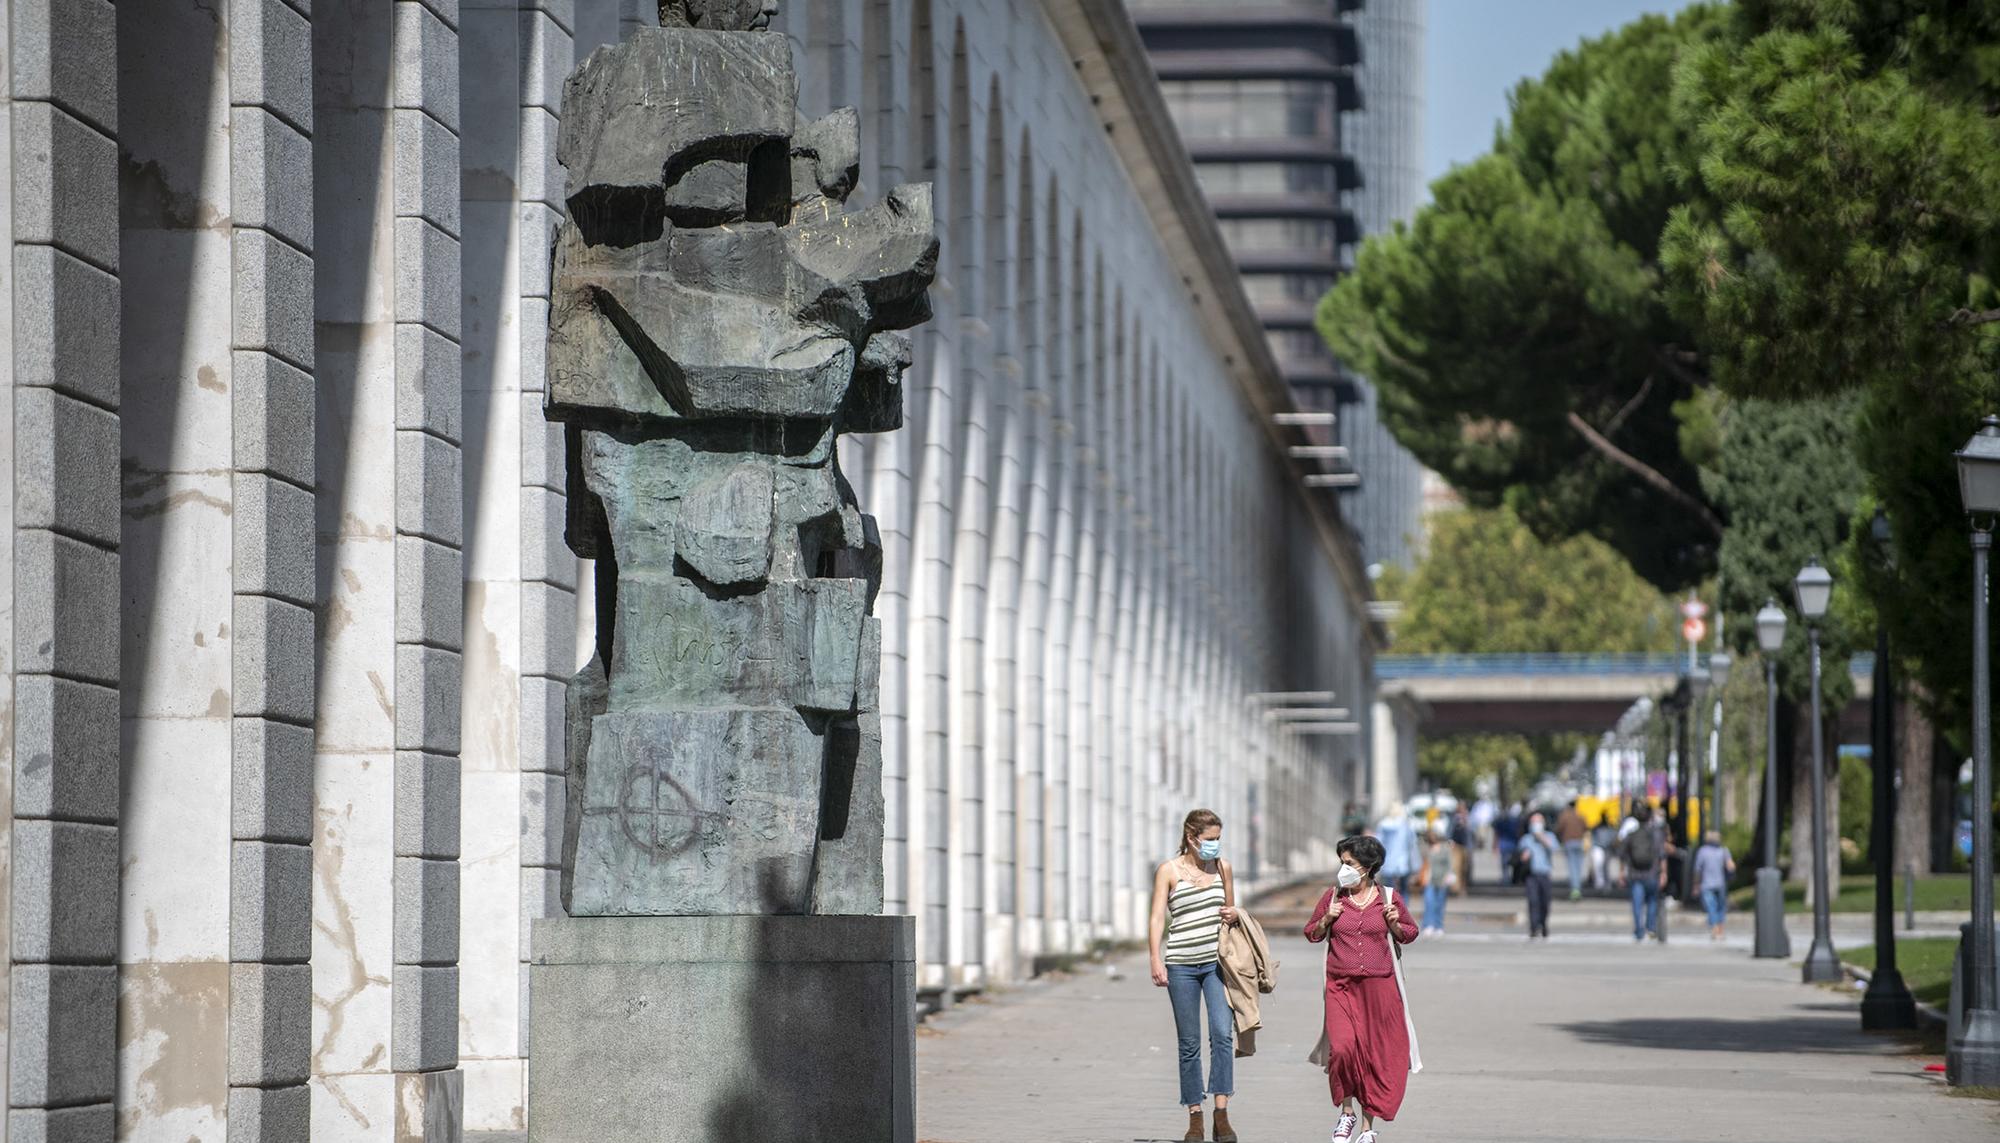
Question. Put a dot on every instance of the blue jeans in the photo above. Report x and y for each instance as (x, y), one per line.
(1716, 901)
(1187, 984)
(1645, 904)
(1434, 896)
(1573, 852)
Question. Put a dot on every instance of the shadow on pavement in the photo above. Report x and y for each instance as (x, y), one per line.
(1694, 1034)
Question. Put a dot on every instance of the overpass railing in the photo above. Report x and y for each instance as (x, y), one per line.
(1551, 663)
(1460, 666)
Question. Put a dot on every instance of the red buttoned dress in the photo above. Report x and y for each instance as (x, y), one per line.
(1368, 1043)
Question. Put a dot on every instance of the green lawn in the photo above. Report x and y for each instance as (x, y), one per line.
(1943, 893)
(1925, 963)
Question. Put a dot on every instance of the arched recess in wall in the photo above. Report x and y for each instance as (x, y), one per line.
(923, 91)
(960, 252)
(878, 97)
(1079, 340)
(923, 159)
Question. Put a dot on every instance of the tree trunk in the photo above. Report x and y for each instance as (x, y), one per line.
(1913, 786)
(1944, 797)
(1802, 868)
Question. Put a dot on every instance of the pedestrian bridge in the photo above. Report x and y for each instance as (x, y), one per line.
(1532, 693)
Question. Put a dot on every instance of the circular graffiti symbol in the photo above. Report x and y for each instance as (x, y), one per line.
(658, 815)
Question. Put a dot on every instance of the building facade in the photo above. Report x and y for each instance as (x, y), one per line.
(1304, 119)
(1386, 136)
(287, 611)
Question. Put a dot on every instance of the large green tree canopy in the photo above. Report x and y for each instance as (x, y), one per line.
(1855, 151)
(1487, 585)
(1517, 329)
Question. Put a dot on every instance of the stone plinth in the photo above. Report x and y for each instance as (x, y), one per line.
(673, 1029)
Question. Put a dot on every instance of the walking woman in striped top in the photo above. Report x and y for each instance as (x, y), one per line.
(1194, 895)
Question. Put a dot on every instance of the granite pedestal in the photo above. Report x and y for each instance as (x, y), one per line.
(777, 1029)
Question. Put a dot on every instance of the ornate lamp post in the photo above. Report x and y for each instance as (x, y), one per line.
(1887, 1003)
(1974, 1060)
(1772, 940)
(1813, 588)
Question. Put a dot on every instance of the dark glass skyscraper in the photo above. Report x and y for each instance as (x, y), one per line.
(1304, 119)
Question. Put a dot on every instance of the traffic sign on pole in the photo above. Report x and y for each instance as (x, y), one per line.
(1693, 629)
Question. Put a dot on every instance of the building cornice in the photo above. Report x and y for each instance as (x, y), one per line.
(1111, 63)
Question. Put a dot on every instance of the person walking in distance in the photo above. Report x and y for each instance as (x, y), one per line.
(1571, 832)
(1644, 852)
(1369, 1043)
(1194, 896)
(1436, 877)
(1398, 834)
(1537, 854)
(1602, 837)
(1712, 867)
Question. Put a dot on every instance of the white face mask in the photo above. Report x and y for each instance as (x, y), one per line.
(1348, 876)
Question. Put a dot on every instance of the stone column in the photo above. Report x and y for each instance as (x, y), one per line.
(59, 570)
(386, 846)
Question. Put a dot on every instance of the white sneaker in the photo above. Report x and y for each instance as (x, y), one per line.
(1365, 1137)
(1345, 1130)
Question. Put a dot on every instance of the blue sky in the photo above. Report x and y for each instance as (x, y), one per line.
(1479, 49)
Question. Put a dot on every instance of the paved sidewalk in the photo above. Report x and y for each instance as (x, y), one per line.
(1586, 1037)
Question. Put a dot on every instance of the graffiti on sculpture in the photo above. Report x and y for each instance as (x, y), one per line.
(718, 318)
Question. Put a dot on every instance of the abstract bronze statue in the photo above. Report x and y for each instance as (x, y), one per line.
(718, 319)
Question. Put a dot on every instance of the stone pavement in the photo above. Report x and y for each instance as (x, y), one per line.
(1585, 1037)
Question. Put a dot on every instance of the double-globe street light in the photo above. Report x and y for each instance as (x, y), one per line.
(1974, 1059)
(1772, 940)
(1813, 589)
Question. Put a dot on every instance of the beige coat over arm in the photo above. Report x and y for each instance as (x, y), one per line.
(1248, 970)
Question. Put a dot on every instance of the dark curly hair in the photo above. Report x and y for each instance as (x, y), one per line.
(1365, 850)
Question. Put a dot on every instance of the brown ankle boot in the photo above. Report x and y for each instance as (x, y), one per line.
(1194, 1131)
(1223, 1132)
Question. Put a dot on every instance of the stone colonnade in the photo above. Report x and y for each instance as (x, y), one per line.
(286, 610)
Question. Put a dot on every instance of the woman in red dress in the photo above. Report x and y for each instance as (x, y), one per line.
(1368, 1041)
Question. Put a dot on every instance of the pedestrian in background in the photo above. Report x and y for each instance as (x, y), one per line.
(1644, 852)
(1370, 1046)
(1398, 834)
(1194, 897)
(1506, 838)
(1537, 855)
(1712, 867)
(1603, 837)
(1436, 878)
(1571, 831)
(1461, 850)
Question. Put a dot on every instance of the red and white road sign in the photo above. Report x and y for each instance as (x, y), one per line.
(1694, 609)
(1692, 629)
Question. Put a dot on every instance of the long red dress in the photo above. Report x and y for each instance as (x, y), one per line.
(1368, 1043)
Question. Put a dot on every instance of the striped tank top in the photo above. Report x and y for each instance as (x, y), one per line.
(1194, 923)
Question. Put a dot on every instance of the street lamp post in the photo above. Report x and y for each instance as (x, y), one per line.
(1772, 940)
(1688, 796)
(1711, 801)
(1813, 588)
(1887, 1003)
(1974, 1060)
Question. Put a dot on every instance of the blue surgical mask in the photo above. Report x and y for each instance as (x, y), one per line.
(1210, 849)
